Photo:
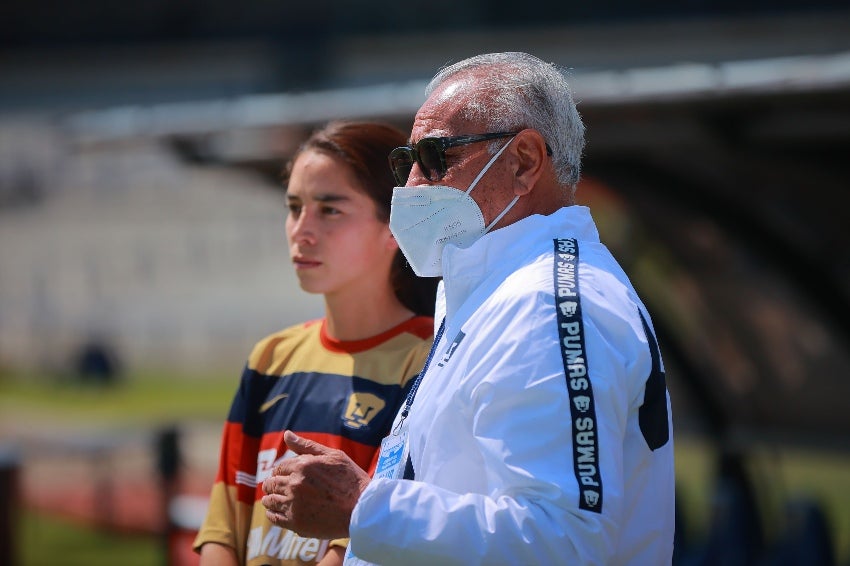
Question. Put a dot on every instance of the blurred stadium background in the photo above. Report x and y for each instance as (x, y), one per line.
(141, 219)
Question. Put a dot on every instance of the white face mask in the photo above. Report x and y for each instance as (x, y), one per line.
(425, 218)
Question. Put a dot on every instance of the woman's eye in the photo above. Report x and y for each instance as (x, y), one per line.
(330, 211)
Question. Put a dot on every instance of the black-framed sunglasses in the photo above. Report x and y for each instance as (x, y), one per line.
(430, 154)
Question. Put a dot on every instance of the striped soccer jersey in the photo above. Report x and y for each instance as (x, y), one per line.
(341, 394)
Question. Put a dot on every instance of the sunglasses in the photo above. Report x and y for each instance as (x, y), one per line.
(430, 155)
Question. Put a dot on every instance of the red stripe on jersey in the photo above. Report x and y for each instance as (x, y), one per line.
(239, 466)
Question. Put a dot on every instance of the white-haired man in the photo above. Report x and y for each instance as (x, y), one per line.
(540, 430)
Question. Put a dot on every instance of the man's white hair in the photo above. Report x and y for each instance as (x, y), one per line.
(516, 91)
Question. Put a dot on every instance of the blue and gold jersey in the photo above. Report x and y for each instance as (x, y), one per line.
(341, 394)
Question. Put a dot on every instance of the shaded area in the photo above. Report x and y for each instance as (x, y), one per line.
(99, 21)
(741, 249)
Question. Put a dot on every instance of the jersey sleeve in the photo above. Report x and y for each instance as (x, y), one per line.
(230, 500)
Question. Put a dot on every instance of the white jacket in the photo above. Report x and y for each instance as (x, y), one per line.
(505, 467)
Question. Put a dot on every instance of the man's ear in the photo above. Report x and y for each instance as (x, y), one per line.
(531, 153)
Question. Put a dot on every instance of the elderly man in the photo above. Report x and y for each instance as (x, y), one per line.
(539, 431)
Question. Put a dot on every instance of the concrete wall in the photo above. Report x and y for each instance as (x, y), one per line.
(174, 266)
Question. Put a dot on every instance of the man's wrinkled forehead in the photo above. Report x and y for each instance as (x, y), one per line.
(447, 108)
(453, 89)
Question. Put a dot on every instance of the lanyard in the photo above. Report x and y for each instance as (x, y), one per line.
(415, 387)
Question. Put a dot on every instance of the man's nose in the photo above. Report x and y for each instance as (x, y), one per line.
(416, 176)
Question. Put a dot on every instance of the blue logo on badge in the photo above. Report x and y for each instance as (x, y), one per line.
(389, 459)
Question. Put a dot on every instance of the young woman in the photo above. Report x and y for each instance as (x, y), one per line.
(338, 380)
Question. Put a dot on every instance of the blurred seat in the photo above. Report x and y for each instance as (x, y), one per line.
(807, 537)
(735, 531)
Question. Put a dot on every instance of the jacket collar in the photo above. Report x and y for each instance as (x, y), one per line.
(486, 263)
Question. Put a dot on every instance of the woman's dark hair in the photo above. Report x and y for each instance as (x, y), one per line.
(365, 147)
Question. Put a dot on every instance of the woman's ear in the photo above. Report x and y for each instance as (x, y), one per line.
(390, 241)
(531, 152)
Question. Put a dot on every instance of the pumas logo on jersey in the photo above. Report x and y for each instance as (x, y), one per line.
(361, 409)
(582, 403)
(591, 498)
(568, 308)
